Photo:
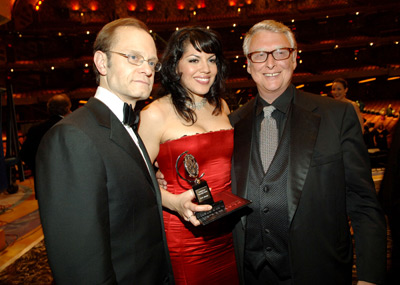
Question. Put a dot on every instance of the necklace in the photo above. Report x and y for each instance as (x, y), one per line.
(197, 105)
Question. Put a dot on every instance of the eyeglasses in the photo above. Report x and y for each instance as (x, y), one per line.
(137, 59)
(277, 54)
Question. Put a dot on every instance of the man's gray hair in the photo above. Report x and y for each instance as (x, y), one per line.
(272, 26)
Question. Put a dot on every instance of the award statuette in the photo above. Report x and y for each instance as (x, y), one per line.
(227, 202)
(200, 187)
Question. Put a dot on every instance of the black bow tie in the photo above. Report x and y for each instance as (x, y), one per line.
(131, 117)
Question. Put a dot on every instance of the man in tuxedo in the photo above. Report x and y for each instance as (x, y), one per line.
(389, 195)
(99, 201)
(319, 178)
(58, 106)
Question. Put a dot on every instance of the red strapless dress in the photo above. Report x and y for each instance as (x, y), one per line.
(203, 254)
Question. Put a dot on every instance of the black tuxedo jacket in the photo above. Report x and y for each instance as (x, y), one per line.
(329, 180)
(33, 138)
(100, 209)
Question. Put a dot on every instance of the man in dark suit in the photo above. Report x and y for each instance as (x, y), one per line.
(58, 106)
(389, 196)
(101, 206)
(298, 229)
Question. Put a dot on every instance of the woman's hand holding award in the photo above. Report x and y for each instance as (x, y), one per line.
(203, 192)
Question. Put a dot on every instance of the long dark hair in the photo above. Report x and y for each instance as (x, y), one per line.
(203, 40)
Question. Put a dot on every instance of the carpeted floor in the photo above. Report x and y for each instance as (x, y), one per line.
(9, 201)
(31, 268)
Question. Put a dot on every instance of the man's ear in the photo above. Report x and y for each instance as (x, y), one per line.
(248, 67)
(100, 60)
(294, 59)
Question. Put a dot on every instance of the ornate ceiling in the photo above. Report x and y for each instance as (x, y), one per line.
(46, 47)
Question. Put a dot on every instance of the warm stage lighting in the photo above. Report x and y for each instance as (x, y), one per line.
(180, 4)
(75, 6)
(131, 6)
(149, 5)
(94, 6)
(367, 80)
(201, 4)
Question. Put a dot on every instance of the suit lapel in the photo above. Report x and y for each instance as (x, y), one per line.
(242, 148)
(304, 126)
(118, 134)
(151, 172)
(121, 137)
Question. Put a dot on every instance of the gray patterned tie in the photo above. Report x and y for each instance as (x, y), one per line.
(268, 137)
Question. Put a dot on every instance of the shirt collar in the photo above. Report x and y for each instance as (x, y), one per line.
(282, 103)
(112, 101)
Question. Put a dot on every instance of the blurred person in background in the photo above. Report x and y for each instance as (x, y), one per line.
(58, 106)
(339, 92)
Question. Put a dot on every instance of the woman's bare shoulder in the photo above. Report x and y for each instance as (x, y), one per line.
(158, 109)
(225, 107)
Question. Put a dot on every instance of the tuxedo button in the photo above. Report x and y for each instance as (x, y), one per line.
(268, 248)
(266, 210)
(265, 189)
(266, 231)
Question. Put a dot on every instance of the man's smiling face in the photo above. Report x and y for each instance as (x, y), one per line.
(272, 76)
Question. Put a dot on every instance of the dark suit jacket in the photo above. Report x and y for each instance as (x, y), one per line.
(329, 180)
(389, 195)
(33, 138)
(100, 210)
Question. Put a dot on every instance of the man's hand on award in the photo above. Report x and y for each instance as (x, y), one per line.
(160, 178)
(161, 181)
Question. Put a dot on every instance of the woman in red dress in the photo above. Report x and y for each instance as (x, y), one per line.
(191, 116)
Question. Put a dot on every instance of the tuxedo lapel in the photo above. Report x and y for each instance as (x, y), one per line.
(151, 173)
(242, 148)
(304, 126)
(118, 134)
(121, 137)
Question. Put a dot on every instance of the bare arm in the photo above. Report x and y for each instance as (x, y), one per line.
(152, 127)
(225, 107)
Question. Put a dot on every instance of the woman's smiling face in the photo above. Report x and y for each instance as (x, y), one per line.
(198, 70)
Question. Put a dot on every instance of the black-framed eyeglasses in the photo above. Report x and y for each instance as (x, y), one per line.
(277, 54)
(137, 59)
